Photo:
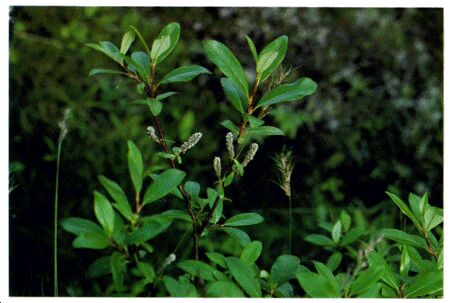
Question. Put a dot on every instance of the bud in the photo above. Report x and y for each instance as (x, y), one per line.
(250, 154)
(190, 143)
(217, 167)
(151, 132)
(230, 146)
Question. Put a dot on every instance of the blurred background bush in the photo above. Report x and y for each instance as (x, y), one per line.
(374, 124)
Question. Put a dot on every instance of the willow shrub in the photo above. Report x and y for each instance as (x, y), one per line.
(128, 232)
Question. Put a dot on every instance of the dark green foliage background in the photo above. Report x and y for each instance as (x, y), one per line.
(375, 122)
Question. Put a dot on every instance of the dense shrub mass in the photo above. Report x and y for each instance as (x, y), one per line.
(373, 125)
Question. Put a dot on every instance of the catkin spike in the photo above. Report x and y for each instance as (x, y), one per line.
(250, 154)
(230, 146)
(151, 132)
(218, 167)
(191, 142)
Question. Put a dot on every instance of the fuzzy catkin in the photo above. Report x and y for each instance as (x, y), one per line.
(191, 142)
(217, 167)
(151, 132)
(250, 154)
(230, 146)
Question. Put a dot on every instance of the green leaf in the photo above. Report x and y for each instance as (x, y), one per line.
(147, 231)
(334, 261)
(313, 285)
(164, 184)
(244, 219)
(271, 57)
(165, 95)
(92, 241)
(79, 226)
(375, 260)
(97, 71)
(183, 74)
(254, 122)
(352, 235)
(228, 179)
(239, 235)
(365, 280)
(224, 289)
(288, 92)
(165, 42)
(179, 289)
(100, 267)
(201, 270)
(404, 238)
(346, 220)
(154, 105)
(252, 47)
(118, 269)
(319, 240)
(405, 261)
(140, 63)
(414, 203)
(245, 276)
(230, 126)
(263, 131)
(403, 208)
(432, 217)
(217, 258)
(284, 268)
(104, 212)
(234, 94)
(331, 282)
(425, 283)
(239, 167)
(337, 231)
(135, 166)
(116, 192)
(141, 38)
(251, 252)
(127, 40)
(147, 270)
(221, 56)
(108, 49)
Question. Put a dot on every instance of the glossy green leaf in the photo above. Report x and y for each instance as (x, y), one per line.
(108, 49)
(100, 267)
(425, 283)
(217, 258)
(388, 276)
(221, 56)
(245, 276)
(244, 219)
(164, 184)
(432, 217)
(92, 241)
(404, 238)
(147, 231)
(239, 235)
(288, 92)
(118, 269)
(263, 131)
(346, 220)
(154, 105)
(163, 96)
(79, 226)
(180, 289)
(183, 74)
(116, 192)
(352, 235)
(135, 166)
(234, 94)
(141, 38)
(331, 282)
(251, 252)
(284, 268)
(97, 71)
(319, 240)
(201, 270)
(271, 57)
(127, 40)
(252, 47)
(230, 126)
(403, 207)
(143, 62)
(104, 212)
(224, 289)
(313, 285)
(336, 232)
(365, 280)
(166, 41)
(334, 261)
